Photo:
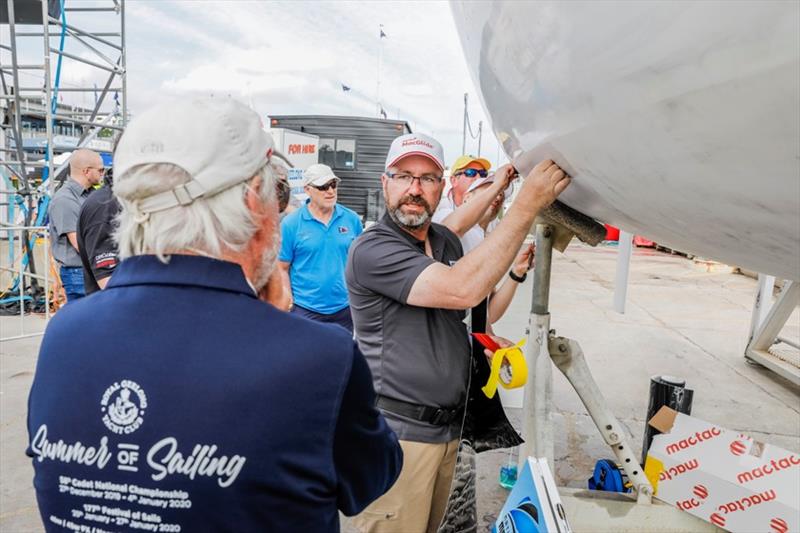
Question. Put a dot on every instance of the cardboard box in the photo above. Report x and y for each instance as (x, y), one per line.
(534, 505)
(722, 476)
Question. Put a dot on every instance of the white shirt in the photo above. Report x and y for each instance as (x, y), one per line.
(472, 238)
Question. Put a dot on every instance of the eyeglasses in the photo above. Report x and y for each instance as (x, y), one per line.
(406, 179)
(330, 185)
(472, 173)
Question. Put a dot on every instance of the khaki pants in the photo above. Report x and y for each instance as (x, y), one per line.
(416, 502)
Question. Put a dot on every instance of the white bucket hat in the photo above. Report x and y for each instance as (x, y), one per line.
(218, 141)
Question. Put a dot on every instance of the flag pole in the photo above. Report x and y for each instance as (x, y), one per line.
(464, 128)
(380, 61)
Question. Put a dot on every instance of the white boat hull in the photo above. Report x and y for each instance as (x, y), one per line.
(679, 121)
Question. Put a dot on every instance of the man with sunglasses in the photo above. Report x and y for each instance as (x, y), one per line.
(85, 171)
(315, 242)
(460, 219)
(409, 288)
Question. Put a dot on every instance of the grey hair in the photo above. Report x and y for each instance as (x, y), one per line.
(207, 225)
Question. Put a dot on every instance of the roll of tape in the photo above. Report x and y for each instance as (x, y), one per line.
(509, 369)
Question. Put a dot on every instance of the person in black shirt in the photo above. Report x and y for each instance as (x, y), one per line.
(96, 246)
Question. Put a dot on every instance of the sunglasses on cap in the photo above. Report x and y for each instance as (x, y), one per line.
(472, 173)
(330, 185)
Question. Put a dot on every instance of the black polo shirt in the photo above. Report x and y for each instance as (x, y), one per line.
(416, 354)
(96, 246)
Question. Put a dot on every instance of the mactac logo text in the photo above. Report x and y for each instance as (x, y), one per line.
(746, 502)
(697, 438)
(675, 471)
(302, 148)
(769, 468)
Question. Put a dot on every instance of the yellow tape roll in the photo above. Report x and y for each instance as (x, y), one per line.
(511, 375)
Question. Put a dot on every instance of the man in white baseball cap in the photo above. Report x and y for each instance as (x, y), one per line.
(315, 240)
(409, 288)
(184, 365)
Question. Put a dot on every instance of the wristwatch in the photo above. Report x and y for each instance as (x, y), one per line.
(518, 279)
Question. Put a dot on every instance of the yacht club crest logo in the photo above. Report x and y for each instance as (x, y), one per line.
(123, 405)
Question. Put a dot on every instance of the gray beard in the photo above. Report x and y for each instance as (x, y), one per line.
(411, 222)
(268, 260)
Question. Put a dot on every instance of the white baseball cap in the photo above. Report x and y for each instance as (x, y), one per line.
(481, 181)
(318, 175)
(415, 144)
(488, 180)
(218, 141)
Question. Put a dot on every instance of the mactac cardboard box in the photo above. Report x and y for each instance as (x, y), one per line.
(534, 505)
(722, 476)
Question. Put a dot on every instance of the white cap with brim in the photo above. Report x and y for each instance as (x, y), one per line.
(487, 181)
(219, 142)
(415, 144)
(318, 175)
(479, 182)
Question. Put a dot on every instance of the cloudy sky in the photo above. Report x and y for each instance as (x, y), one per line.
(293, 57)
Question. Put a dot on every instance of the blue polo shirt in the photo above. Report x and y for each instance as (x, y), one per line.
(190, 405)
(318, 255)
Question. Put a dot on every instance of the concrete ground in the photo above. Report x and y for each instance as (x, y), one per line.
(684, 318)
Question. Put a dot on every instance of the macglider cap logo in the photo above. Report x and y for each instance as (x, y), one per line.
(123, 405)
(417, 142)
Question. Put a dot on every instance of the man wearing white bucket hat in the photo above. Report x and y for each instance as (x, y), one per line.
(189, 403)
(409, 289)
(314, 245)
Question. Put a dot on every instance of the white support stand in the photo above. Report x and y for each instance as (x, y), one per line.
(587, 510)
(613, 512)
(537, 416)
(623, 269)
(765, 333)
(568, 357)
(763, 302)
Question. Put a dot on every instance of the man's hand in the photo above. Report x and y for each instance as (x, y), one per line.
(545, 182)
(505, 175)
(502, 342)
(524, 261)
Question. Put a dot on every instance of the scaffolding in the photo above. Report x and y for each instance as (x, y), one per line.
(29, 180)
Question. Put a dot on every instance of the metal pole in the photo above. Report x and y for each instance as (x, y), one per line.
(48, 91)
(464, 128)
(91, 35)
(480, 135)
(624, 251)
(537, 418)
(17, 104)
(21, 286)
(540, 305)
(46, 275)
(123, 57)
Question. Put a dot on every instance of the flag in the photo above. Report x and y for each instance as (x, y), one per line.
(345, 88)
(382, 33)
(383, 113)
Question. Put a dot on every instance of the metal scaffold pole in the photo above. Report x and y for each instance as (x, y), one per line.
(38, 125)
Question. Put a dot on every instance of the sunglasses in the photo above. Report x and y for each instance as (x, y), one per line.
(473, 173)
(329, 185)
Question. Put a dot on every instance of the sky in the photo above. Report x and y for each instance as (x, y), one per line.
(293, 58)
